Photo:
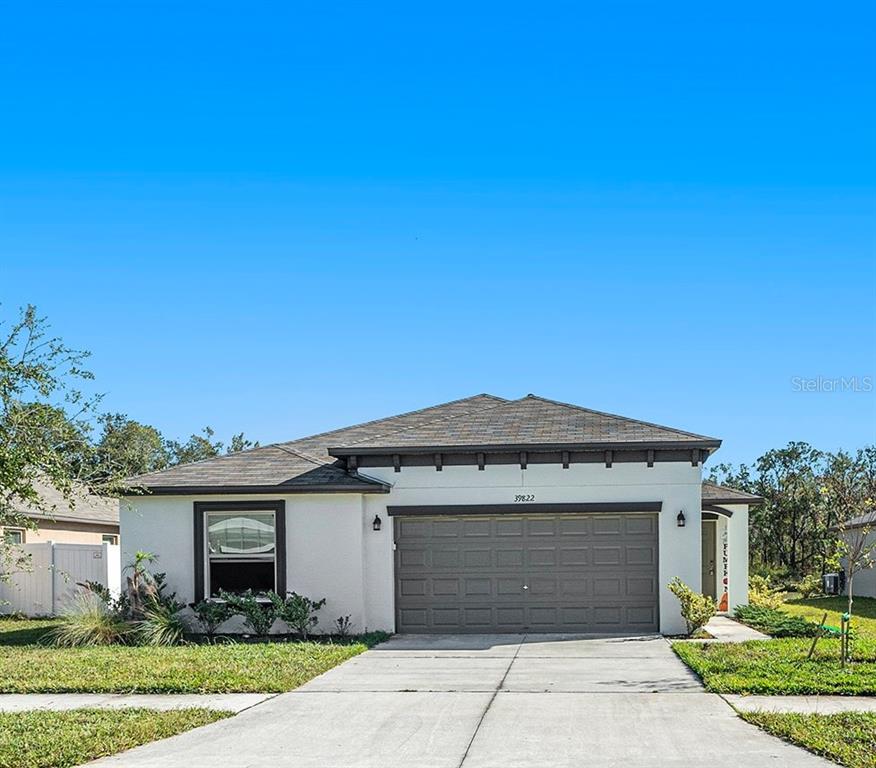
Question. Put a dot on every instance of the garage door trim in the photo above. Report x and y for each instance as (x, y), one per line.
(490, 603)
(610, 507)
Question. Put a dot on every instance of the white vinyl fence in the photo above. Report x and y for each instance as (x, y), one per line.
(55, 569)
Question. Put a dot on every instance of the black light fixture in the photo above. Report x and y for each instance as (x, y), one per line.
(376, 523)
(680, 519)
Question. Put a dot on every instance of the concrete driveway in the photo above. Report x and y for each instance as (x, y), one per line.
(491, 701)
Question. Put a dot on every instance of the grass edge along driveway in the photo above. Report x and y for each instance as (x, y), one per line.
(47, 739)
(848, 738)
(29, 665)
(780, 667)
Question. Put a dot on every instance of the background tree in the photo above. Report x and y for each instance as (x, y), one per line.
(127, 447)
(44, 422)
(196, 448)
(240, 443)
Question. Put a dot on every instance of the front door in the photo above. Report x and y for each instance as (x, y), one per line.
(709, 550)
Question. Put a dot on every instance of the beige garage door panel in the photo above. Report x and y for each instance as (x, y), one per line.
(549, 573)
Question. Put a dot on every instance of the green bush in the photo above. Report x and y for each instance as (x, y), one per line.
(696, 609)
(774, 622)
(298, 611)
(88, 621)
(809, 585)
(761, 594)
(210, 614)
(256, 614)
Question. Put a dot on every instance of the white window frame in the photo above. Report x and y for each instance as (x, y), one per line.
(232, 558)
(109, 538)
(22, 538)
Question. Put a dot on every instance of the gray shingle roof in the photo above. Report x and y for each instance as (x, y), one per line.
(530, 421)
(308, 464)
(298, 464)
(864, 521)
(84, 506)
(722, 494)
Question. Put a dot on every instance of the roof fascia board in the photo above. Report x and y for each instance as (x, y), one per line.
(344, 451)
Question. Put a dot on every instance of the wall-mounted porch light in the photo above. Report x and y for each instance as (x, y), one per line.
(680, 519)
(376, 523)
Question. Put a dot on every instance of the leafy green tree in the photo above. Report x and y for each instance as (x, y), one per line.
(788, 527)
(199, 447)
(44, 423)
(196, 448)
(240, 443)
(127, 447)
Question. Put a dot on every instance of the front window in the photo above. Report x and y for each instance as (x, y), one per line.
(13, 535)
(241, 551)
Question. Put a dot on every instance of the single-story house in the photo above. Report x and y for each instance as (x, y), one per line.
(864, 525)
(83, 519)
(477, 515)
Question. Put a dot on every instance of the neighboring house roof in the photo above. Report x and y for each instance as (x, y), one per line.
(311, 464)
(722, 494)
(861, 522)
(84, 507)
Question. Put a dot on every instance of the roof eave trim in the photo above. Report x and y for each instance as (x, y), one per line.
(751, 502)
(279, 490)
(344, 451)
(48, 517)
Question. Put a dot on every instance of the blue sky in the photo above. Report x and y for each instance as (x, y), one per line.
(285, 218)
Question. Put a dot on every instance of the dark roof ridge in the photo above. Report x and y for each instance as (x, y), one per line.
(395, 416)
(426, 423)
(617, 416)
(302, 454)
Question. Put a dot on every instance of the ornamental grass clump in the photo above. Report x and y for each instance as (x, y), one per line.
(89, 621)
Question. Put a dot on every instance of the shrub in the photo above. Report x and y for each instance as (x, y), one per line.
(809, 585)
(257, 615)
(342, 626)
(298, 611)
(162, 624)
(761, 594)
(89, 621)
(696, 609)
(774, 622)
(210, 614)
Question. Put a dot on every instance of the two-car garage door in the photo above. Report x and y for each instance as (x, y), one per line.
(526, 573)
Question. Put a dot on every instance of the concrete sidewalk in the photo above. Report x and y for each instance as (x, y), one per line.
(535, 701)
(821, 705)
(228, 702)
(726, 630)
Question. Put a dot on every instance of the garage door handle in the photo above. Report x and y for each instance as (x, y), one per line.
(525, 587)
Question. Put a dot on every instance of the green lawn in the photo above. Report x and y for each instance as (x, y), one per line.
(849, 738)
(30, 666)
(44, 739)
(863, 612)
(780, 667)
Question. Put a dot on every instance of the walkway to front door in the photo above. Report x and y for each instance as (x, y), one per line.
(484, 701)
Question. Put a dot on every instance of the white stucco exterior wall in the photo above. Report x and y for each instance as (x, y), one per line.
(737, 537)
(333, 552)
(677, 485)
(323, 546)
